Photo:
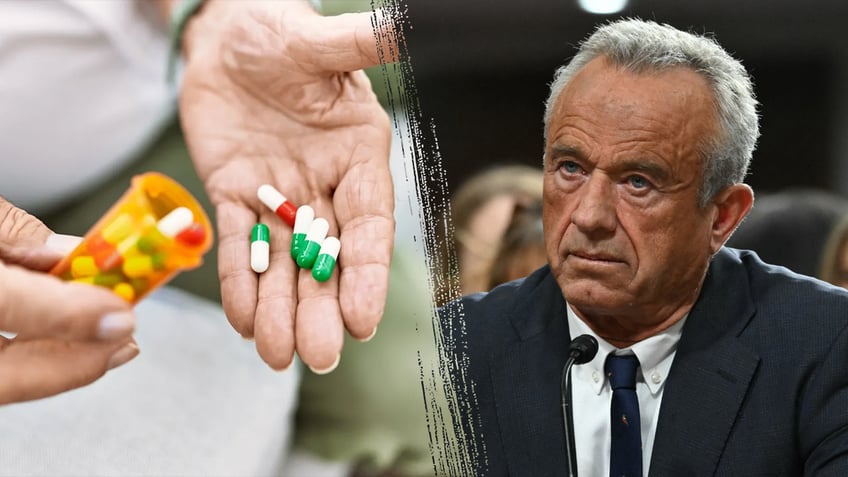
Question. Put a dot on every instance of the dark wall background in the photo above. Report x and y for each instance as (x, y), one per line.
(482, 69)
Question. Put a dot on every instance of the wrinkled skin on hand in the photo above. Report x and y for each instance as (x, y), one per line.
(271, 93)
(59, 344)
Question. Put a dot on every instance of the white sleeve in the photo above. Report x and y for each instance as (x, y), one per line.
(205, 406)
(83, 90)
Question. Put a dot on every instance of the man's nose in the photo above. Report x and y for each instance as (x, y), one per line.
(595, 213)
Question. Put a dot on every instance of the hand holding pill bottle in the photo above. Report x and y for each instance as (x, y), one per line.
(154, 231)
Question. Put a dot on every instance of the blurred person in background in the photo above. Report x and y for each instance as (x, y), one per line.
(791, 227)
(522, 247)
(481, 209)
(834, 267)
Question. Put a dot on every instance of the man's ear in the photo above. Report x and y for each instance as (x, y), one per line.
(732, 204)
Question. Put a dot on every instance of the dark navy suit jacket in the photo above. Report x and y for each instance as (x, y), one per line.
(759, 384)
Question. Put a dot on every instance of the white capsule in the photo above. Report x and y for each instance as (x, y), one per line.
(303, 219)
(323, 267)
(260, 252)
(331, 247)
(271, 197)
(175, 222)
(260, 248)
(318, 231)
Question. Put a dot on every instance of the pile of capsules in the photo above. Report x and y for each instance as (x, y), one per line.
(310, 246)
(133, 253)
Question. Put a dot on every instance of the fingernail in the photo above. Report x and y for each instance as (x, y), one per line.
(328, 369)
(369, 337)
(284, 368)
(62, 243)
(128, 352)
(114, 325)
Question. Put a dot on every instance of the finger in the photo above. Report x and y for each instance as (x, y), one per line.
(23, 238)
(275, 310)
(37, 305)
(239, 284)
(343, 43)
(41, 368)
(62, 244)
(319, 329)
(19, 227)
(44, 257)
(366, 202)
(364, 262)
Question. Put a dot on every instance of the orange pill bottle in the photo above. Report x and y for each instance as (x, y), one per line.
(154, 231)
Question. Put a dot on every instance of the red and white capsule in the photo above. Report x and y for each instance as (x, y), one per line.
(175, 222)
(276, 201)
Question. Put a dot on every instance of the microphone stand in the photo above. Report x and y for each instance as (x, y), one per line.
(581, 350)
(568, 417)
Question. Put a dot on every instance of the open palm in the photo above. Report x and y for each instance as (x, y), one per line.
(272, 94)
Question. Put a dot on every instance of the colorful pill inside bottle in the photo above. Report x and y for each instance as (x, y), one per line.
(125, 291)
(103, 247)
(302, 222)
(326, 261)
(135, 247)
(276, 201)
(260, 248)
(193, 235)
(314, 238)
(153, 238)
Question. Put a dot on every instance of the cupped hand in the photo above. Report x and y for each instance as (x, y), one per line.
(67, 335)
(271, 94)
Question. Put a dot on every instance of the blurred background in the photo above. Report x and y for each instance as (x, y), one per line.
(482, 68)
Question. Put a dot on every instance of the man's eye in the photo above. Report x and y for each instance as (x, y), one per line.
(638, 182)
(570, 167)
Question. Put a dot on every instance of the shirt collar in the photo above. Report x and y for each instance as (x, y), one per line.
(655, 354)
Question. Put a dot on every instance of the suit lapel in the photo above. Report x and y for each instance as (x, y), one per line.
(709, 377)
(526, 382)
(705, 389)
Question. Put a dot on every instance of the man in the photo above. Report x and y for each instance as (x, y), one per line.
(738, 366)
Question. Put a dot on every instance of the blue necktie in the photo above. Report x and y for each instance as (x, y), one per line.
(626, 447)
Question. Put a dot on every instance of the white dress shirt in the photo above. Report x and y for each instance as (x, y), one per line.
(83, 90)
(591, 395)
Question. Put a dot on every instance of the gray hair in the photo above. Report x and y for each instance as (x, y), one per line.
(639, 46)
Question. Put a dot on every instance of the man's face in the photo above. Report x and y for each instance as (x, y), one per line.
(624, 234)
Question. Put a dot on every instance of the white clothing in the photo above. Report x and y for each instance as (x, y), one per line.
(198, 400)
(592, 395)
(83, 90)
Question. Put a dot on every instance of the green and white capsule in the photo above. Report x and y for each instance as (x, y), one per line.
(314, 238)
(303, 220)
(326, 261)
(260, 248)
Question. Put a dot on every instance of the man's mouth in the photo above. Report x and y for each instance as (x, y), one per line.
(595, 256)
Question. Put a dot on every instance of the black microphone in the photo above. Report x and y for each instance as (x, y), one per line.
(581, 350)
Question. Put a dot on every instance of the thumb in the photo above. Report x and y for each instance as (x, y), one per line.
(39, 257)
(41, 368)
(26, 241)
(347, 42)
(36, 305)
